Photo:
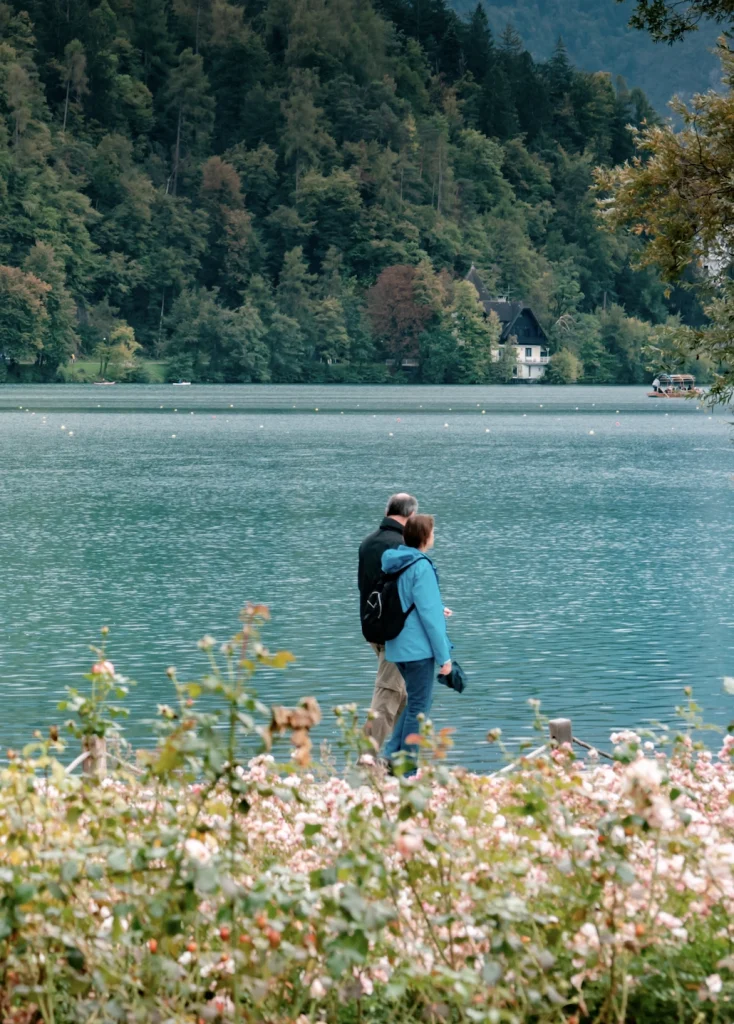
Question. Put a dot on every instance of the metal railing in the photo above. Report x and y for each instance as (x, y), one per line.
(560, 733)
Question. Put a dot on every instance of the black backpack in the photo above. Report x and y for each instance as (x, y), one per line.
(383, 617)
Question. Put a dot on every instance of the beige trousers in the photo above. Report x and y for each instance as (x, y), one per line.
(388, 700)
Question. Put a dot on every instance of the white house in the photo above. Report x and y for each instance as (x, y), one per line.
(521, 328)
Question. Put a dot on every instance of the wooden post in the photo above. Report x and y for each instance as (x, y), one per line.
(560, 731)
(95, 766)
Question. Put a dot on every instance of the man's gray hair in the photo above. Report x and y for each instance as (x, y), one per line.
(404, 505)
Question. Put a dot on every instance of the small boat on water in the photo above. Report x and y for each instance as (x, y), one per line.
(674, 385)
(105, 383)
(182, 383)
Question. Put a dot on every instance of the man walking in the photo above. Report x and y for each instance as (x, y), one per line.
(389, 697)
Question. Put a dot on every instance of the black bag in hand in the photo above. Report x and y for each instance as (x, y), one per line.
(456, 679)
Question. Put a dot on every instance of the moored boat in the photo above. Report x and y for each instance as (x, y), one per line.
(674, 385)
(182, 383)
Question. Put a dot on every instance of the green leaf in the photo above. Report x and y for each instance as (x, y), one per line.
(491, 972)
(352, 903)
(625, 873)
(173, 926)
(322, 877)
(356, 942)
(69, 870)
(395, 990)
(310, 829)
(419, 798)
(24, 892)
(56, 891)
(75, 957)
(117, 860)
(207, 878)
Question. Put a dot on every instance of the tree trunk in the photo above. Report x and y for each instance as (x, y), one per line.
(66, 104)
(160, 320)
(177, 153)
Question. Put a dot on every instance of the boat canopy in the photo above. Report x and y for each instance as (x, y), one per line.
(686, 379)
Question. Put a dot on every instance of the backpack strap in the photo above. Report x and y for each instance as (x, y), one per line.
(399, 572)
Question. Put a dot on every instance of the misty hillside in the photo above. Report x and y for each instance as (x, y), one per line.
(597, 38)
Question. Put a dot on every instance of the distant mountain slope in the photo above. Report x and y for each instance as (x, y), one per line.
(597, 38)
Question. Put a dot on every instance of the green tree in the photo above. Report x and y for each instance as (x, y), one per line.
(678, 195)
(669, 21)
(332, 344)
(294, 294)
(477, 336)
(74, 75)
(60, 337)
(191, 106)
(286, 345)
(565, 367)
(478, 44)
(333, 206)
(117, 350)
(504, 370)
(304, 137)
(439, 354)
(220, 345)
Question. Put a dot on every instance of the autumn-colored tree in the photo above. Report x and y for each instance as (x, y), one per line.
(23, 314)
(677, 196)
(60, 336)
(397, 318)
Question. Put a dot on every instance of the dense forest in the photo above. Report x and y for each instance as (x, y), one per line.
(293, 190)
(598, 37)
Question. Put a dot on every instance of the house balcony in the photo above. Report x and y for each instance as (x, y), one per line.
(534, 360)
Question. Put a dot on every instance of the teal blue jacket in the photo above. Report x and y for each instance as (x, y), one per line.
(424, 634)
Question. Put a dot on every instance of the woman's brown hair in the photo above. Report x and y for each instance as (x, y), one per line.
(417, 530)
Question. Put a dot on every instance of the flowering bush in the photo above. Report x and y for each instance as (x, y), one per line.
(207, 883)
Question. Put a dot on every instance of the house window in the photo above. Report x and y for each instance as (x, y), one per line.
(514, 371)
(544, 353)
(528, 353)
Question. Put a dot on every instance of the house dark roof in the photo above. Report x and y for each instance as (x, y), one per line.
(508, 312)
(478, 283)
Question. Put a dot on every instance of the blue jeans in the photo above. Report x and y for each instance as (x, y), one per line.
(418, 676)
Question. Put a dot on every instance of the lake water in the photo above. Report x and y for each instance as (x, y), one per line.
(585, 538)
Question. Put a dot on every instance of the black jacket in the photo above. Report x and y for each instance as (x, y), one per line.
(389, 535)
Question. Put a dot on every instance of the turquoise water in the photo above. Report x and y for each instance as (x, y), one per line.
(585, 539)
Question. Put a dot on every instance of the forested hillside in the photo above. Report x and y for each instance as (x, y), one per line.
(598, 38)
(287, 190)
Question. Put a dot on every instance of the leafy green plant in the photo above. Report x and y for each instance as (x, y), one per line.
(208, 883)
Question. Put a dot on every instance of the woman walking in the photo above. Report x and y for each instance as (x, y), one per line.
(423, 642)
